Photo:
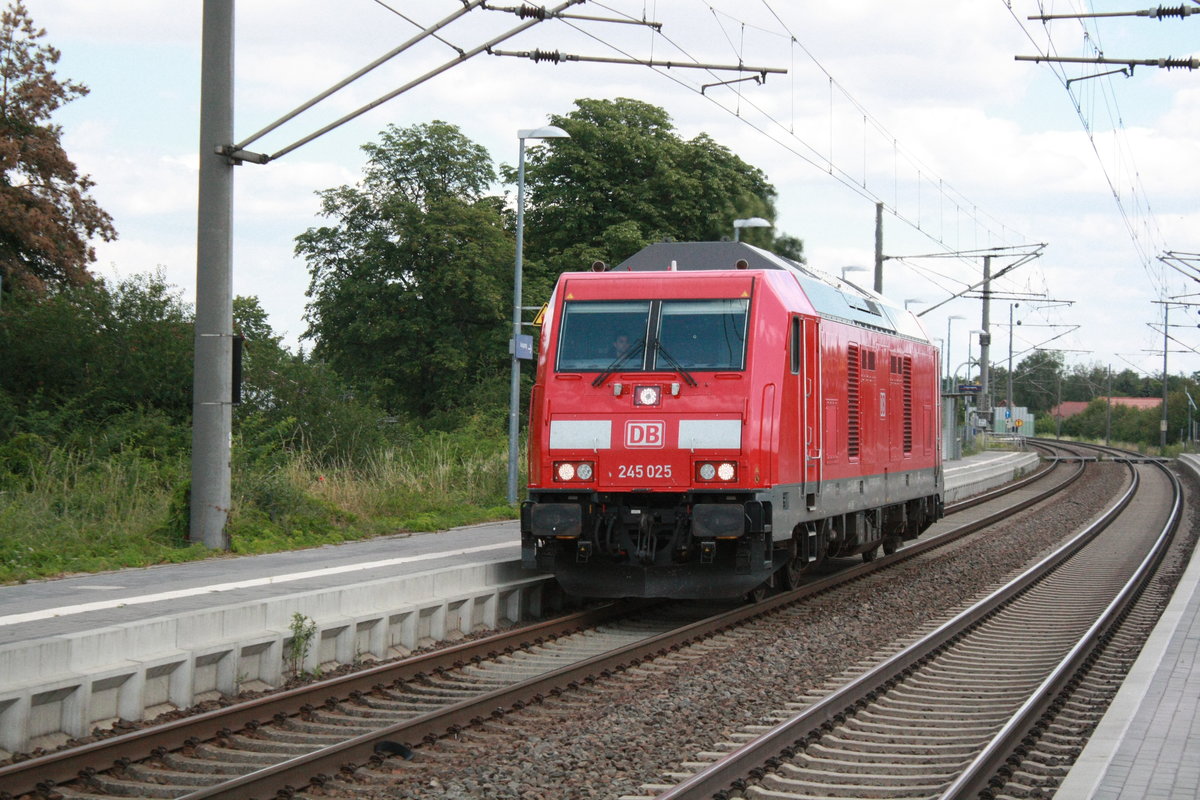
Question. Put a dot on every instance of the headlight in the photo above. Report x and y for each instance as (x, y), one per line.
(565, 471)
(646, 395)
(720, 471)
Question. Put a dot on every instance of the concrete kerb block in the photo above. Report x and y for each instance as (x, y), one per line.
(57, 712)
(115, 694)
(14, 721)
(260, 662)
(431, 623)
(335, 643)
(484, 616)
(220, 625)
(400, 637)
(166, 683)
(370, 637)
(27, 664)
(98, 648)
(214, 672)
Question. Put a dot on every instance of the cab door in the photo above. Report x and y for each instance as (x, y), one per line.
(807, 369)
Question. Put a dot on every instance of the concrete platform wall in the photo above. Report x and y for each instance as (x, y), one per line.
(976, 475)
(60, 687)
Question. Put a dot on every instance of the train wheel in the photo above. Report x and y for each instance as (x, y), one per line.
(890, 545)
(757, 594)
(790, 573)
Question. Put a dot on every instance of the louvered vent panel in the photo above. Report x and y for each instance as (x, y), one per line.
(853, 431)
(908, 404)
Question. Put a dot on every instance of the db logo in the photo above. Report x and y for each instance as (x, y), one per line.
(642, 433)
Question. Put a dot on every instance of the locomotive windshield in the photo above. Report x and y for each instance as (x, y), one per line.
(692, 334)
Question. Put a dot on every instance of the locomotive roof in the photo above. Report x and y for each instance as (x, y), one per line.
(831, 297)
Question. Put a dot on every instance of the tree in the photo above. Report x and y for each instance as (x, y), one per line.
(95, 350)
(410, 284)
(1036, 380)
(47, 217)
(625, 179)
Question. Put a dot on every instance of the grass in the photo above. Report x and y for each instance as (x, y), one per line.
(65, 513)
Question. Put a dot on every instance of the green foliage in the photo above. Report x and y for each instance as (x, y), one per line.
(1042, 380)
(625, 179)
(64, 510)
(47, 216)
(411, 283)
(68, 509)
(1036, 380)
(300, 644)
(96, 351)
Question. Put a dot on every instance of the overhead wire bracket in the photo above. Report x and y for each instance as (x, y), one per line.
(556, 57)
(758, 79)
(1190, 63)
(1126, 71)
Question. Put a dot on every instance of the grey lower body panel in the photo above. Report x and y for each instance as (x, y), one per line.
(792, 506)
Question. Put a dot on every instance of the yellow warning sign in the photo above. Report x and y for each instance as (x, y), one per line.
(541, 315)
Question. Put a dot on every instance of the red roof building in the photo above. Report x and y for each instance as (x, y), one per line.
(1070, 408)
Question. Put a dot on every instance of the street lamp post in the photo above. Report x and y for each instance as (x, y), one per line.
(752, 222)
(908, 300)
(1008, 400)
(514, 401)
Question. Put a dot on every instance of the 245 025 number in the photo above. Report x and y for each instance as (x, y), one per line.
(644, 471)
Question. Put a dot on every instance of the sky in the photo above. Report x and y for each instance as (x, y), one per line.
(919, 105)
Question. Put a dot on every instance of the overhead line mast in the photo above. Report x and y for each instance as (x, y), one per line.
(219, 153)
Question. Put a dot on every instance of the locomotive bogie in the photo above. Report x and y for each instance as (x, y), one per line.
(746, 423)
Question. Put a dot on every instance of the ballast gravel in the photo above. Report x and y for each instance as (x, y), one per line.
(608, 739)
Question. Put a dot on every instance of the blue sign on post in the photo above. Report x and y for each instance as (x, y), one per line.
(524, 346)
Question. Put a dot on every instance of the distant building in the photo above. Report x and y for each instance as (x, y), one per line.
(1070, 408)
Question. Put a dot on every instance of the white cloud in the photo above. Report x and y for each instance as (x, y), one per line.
(1001, 154)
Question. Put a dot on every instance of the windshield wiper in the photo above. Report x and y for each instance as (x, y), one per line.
(618, 362)
(658, 348)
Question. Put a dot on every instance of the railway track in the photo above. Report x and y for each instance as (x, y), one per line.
(290, 739)
(986, 700)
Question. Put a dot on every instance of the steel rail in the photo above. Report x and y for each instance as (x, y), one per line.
(23, 776)
(783, 738)
(288, 775)
(979, 773)
(46, 771)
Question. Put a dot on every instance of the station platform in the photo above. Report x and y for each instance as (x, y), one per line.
(84, 651)
(1148, 743)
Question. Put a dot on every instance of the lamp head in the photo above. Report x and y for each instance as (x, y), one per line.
(752, 222)
(545, 132)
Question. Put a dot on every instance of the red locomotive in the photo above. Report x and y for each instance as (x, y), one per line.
(709, 418)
